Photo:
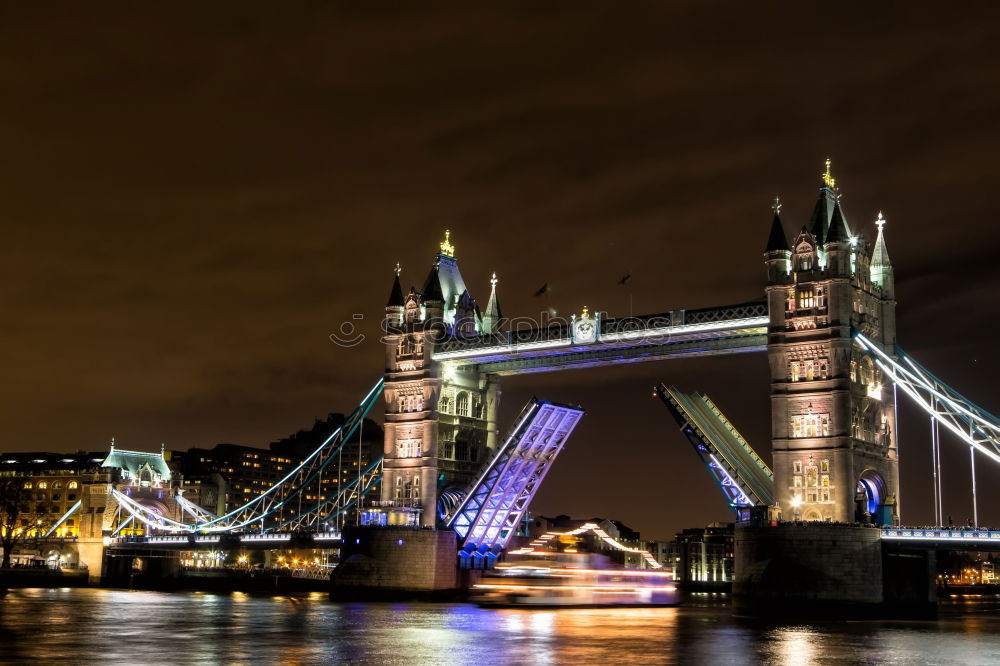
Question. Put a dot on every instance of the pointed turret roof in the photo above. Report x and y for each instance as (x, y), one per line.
(819, 223)
(491, 320)
(431, 291)
(880, 264)
(838, 232)
(396, 294)
(777, 241)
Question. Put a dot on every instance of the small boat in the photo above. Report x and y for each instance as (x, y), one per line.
(580, 583)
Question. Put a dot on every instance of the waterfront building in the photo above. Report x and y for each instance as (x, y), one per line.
(703, 556)
(54, 482)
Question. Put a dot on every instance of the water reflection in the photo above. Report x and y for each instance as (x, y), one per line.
(120, 626)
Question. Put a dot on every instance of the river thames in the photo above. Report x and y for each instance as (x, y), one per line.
(117, 626)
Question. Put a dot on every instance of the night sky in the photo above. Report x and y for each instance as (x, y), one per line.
(193, 201)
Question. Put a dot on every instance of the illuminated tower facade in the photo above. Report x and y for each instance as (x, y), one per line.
(833, 418)
(440, 422)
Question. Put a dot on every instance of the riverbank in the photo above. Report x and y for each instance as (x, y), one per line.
(215, 580)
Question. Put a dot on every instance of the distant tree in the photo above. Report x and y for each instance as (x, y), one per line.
(18, 517)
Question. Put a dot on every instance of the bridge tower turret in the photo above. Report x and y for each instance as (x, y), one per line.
(832, 421)
(440, 422)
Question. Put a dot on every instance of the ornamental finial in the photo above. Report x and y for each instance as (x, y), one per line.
(446, 246)
(828, 179)
(880, 222)
(494, 280)
(586, 313)
(776, 206)
(398, 269)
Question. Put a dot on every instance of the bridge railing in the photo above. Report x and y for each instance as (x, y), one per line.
(941, 533)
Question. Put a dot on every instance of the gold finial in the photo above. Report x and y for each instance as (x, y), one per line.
(585, 314)
(494, 280)
(398, 269)
(446, 246)
(828, 179)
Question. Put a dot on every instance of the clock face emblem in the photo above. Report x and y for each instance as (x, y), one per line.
(584, 331)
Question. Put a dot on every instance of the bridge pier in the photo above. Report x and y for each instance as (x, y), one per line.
(90, 552)
(828, 570)
(396, 564)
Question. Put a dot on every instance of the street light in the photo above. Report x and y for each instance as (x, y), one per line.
(796, 503)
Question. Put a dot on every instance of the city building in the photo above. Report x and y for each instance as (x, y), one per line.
(228, 476)
(703, 556)
(54, 483)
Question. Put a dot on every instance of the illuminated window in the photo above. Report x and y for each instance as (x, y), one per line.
(409, 448)
(806, 298)
(28, 485)
(811, 477)
(805, 263)
(825, 480)
(72, 484)
(795, 371)
(809, 371)
(42, 485)
(824, 466)
(797, 481)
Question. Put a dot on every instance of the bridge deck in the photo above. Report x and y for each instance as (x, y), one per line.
(944, 538)
(742, 475)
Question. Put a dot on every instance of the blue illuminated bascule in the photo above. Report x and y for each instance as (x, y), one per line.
(827, 325)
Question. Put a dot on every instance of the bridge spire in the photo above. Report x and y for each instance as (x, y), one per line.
(881, 267)
(819, 223)
(777, 242)
(396, 294)
(491, 318)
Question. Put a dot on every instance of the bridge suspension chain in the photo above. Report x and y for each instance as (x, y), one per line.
(269, 510)
(971, 423)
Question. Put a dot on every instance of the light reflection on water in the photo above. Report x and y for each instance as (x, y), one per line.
(180, 628)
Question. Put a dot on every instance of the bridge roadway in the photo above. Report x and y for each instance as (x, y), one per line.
(730, 329)
(936, 538)
(943, 538)
(267, 541)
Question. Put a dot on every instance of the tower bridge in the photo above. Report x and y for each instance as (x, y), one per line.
(827, 325)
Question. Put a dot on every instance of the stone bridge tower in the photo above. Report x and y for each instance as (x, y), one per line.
(833, 415)
(440, 422)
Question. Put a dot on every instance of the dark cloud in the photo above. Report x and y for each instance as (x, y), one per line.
(194, 199)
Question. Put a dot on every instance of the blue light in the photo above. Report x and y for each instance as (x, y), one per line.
(357, 541)
(400, 542)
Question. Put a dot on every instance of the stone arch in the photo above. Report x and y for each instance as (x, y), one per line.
(871, 493)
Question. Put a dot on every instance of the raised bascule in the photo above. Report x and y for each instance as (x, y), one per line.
(827, 325)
